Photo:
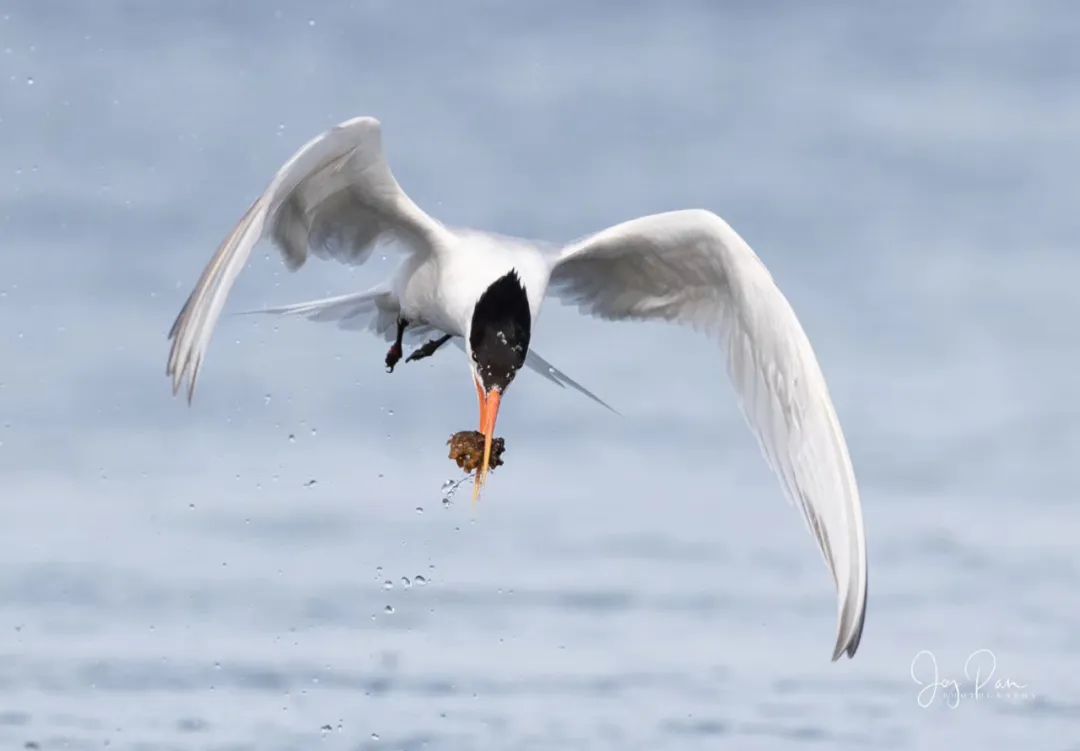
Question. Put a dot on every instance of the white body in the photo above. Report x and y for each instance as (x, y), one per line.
(337, 198)
(440, 289)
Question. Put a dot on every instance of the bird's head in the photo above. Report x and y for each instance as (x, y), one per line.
(497, 345)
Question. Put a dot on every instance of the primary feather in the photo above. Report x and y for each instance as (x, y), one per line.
(691, 268)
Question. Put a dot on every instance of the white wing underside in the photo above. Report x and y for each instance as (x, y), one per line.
(335, 198)
(691, 268)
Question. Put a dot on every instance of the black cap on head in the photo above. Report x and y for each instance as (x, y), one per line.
(501, 326)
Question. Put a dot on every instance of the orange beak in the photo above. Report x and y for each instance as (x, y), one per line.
(489, 412)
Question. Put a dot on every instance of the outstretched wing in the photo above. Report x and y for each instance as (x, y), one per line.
(691, 268)
(336, 197)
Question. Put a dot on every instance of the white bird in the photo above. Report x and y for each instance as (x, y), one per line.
(337, 198)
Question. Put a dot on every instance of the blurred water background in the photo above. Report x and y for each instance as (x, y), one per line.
(274, 568)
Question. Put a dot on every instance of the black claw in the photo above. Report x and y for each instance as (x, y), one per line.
(392, 358)
(394, 355)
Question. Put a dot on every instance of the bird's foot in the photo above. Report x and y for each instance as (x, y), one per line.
(393, 357)
(428, 348)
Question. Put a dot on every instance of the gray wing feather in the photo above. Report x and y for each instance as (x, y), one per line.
(535, 362)
(375, 310)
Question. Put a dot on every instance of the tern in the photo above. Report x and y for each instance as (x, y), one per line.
(337, 198)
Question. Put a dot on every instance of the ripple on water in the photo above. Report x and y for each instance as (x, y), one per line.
(698, 727)
(14, 718)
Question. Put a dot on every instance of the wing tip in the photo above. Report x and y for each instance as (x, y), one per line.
(846, 647)
(850, 628)
(177, 372)
(177, 379)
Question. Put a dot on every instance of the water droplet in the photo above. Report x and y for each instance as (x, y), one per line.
(292, 438)
(420, 580)
(29, 80)
(374, 736)
(309, 483)
(387, 584)
(389, 609)
(191, 506)
(267, 398)
(449, 488)
(326, 729)
(419, 509)
(405, 582)
(314, 432)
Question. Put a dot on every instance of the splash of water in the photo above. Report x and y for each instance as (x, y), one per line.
(449, 488)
